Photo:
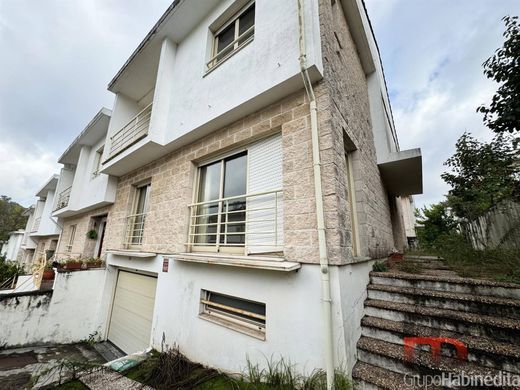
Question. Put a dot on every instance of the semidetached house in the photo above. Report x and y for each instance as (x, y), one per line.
(245, 181)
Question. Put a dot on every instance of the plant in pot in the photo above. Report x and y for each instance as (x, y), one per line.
(48, 272)
(92, 234)
(94, 263)
(73, 264)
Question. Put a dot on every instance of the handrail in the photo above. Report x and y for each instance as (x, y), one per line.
(131, 120)
(63, 198)
(134, 230)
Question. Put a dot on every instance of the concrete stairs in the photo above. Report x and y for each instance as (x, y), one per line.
(484, 315)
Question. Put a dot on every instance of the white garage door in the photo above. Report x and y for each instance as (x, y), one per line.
(132, 312)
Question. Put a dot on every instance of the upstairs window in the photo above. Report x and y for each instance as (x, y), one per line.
(234, 35)
(97, 162)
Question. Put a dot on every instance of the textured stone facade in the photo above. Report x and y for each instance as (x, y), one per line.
(81, 246)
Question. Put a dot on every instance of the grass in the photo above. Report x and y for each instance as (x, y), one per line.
(409, 267)
(380, 266)
(171, 370)
(72, 385)
(494, 264)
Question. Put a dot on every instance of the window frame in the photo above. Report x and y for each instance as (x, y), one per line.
(72, 235)
(128, 243)
(246, 322)
(97, 162)
(214, 60)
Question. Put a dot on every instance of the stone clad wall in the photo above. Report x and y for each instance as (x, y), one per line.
(348, 103)
(80, 243)
(172, 181)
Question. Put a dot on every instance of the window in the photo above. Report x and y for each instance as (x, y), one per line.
(233, 35)
(71, 238)
(220, 217)
(97, 162)
(239, 314)
(136, 221)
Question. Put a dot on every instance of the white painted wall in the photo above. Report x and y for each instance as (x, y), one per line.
(12, 246)
(293, 303)
(69, 314)
(48, 224)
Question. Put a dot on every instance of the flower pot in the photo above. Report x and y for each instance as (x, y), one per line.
(95, 264)
(72, 266)
(48, 274)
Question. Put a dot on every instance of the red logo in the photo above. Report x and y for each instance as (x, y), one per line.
(435, 344)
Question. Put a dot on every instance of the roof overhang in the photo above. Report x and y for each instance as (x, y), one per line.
(138, 74)
(91, 134)
(50, 185)
(402, 172)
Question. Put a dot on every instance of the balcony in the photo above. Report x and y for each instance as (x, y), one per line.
(135, 130)
(250, 223)
(63, 199)
(134, 230)
(36, 225)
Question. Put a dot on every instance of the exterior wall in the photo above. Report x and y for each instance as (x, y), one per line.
(44, 244)
(172, 184)
(408, 206)
(65, 315)
(11, 248)
(48, 224)
(348, 104)
(81, 244)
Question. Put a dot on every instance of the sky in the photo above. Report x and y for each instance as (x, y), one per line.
(59, 55)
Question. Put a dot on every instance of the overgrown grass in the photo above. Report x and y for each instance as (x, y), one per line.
(72, 385)
(409, 267)
(171, 370)
(496, 264)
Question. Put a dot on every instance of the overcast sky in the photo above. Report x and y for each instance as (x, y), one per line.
(58, 56)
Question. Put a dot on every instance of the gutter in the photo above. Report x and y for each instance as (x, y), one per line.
(326, 299)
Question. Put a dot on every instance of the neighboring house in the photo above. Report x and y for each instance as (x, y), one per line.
(250, 177)
(28, 245)
(84, 193)
(410, 221)
(13, 244)
(43, 229)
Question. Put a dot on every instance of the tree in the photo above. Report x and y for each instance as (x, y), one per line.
(435, 222)
(503, 114)
(11, 217)
(482, 174)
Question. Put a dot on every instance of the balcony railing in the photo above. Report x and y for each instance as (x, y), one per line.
(134, 230)
(63, 199)
(250, 221)
(132, 132)
(36, 225)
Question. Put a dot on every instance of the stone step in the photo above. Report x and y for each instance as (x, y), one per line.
(369, 377)
(505, 329)
(423, 258)
(482, 351)
(429, 264)
(447, 283)
(483, 304)
(391, 356)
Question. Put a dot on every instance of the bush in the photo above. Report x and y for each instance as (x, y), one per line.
(9, 269)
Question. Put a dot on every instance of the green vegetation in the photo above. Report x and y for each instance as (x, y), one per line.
(380, 266)
(409, 267)
(171, 370)
(9, 269)
(72, 385)
(11, 217)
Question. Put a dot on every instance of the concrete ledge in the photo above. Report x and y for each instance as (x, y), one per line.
(239, 261)
(129, 253)
(25, 294)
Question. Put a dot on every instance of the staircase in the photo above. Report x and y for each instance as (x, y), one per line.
(484, 315)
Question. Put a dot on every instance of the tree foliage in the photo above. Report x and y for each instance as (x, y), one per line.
(482, 174)
(503, 114)
(435, 222)
(9, 269)
(11, 217)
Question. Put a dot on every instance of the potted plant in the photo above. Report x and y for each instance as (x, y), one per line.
(92, 234)
(73, 264)
(94, 263)
(48, 272)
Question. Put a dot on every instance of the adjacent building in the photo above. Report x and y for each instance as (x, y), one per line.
(12, 246)
(244, 183)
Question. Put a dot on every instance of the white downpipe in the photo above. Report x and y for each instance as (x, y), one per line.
(326, 299)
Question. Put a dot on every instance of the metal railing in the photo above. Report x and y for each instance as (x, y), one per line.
(245, 221)
(133, 131)
(63, 199)
(36, 224)
(134, 230)
(246, 37)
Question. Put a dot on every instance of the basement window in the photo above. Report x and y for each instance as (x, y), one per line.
(239, 314)
(233, 35)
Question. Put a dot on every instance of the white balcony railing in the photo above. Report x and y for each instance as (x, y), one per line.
(36, 225)
(63, 199)
(132, 132)
(134, 230)
(250, 221)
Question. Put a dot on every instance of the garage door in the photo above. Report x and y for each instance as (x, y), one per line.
(132, 312)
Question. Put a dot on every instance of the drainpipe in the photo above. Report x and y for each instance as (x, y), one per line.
(326, 299)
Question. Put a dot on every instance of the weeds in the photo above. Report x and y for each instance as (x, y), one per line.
(380, 266)
(409, 267)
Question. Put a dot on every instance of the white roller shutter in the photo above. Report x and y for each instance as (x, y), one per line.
(265, 226)
(132, 311)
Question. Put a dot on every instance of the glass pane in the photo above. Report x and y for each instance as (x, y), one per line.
(142, 200)
(235, 180)
(235, 175)
(209, 189)
(226, 37)
(209, 186)
(247, 19)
